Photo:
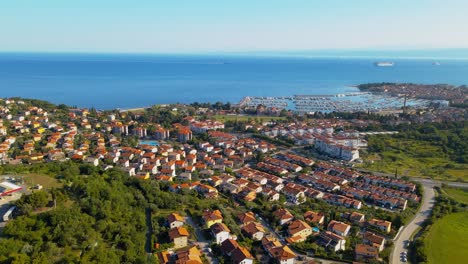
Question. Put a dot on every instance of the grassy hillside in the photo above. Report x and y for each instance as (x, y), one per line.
(447, 241)
(426, 150)
(458, 194)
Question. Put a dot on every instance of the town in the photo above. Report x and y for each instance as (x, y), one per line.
(312, 204)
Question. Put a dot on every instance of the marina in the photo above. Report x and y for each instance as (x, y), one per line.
(346, 102)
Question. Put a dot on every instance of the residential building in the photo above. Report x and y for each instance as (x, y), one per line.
(241, 255)
(246, 218)
(374, 240)
(314, 217)
(339, 228)
(298, 231)
(228, 246)
(382, 225)
(212, 217)
(179, 237)
(175, 220)
(283, 216)
(279, 253)
(366, 252)
(331, 241)
(220, 232)
(254, 230)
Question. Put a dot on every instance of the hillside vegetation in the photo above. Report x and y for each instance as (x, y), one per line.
(447, 241)
(99, 217)
(432, 150)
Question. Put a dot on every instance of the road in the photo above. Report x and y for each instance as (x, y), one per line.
(149, 231)
(419, 179)
(424, 212)
(203, 243)
(439, 183)
(5, 205)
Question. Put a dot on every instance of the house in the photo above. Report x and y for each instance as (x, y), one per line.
(161, 133)
(186, 176)
(279, 253)
(254, 230)
(354, 217)
(270, 194)
(374, 240)
(382, 225)
(184, 134)
(366, 252)
(179, 237)
(164, 257)
(314, 217)
(339, 228)
(220, 232)
(247, 195)
(207, 190)
(143, 175)
(228, 246)
(331, 241)
(212, 217)
(283, 216)
(294, 195)
(175, 220)
(241, 255)
(151, 168)
(298, 231)
(188, 256)
(246, 218)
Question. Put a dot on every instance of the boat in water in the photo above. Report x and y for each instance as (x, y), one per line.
(384, 64)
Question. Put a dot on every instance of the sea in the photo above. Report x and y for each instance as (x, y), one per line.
(109, 81)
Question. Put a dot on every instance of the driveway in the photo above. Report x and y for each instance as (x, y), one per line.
(424, 213)
(203, 243)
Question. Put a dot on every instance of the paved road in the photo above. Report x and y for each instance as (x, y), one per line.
(424, 212)
(420, 179)
(5, 205)
(149, 231)
(439, 183)
(203, 243)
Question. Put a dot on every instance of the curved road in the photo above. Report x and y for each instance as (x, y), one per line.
(424, 212)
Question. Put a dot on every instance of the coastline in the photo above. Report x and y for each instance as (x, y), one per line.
(129, 82)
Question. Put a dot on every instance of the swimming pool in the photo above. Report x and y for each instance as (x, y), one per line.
(149, 142)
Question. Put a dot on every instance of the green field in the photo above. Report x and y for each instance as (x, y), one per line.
(414, 158)
(247, 118)
(458, 194)
(447, 241)
(33, 179)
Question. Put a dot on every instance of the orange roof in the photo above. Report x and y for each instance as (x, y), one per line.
(174, 217)
(246, 217)
(178, 232)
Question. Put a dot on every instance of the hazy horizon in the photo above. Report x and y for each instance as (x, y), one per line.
(146, 26)
(455, 53)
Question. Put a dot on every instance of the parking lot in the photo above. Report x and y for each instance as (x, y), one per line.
(5, 204)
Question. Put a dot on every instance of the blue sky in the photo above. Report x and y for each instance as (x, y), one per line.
(223, 25)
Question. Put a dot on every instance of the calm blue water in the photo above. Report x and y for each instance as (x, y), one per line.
(149, 142)
(125, 81)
